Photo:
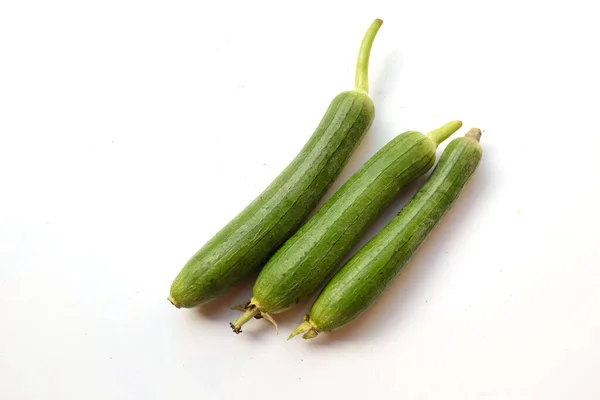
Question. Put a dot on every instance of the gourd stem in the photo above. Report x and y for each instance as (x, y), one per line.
(440, 134)
(361, 82)
(245, 317)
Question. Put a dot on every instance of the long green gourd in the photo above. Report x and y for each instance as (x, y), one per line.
(309, 257)
(247, 242)
(366, 275)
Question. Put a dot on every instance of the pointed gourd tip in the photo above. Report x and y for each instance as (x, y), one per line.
(173, 301)
(453, 125)
(474, 133)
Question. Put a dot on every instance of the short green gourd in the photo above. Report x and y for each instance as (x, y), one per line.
(247, 242)
(309, 257)
(367, 275)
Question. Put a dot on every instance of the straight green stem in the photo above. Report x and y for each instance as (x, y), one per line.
(245, 317)
(440, 134)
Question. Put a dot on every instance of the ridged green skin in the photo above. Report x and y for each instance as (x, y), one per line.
(246, 243)
(308, 259)
(367, 275)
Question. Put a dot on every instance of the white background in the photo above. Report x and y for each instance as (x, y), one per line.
(131, 131)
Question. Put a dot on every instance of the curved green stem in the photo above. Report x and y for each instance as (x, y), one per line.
(440, 134)
(361, 83)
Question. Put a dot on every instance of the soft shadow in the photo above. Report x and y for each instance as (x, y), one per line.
(220, 308)
(293, 316)
(386, 315)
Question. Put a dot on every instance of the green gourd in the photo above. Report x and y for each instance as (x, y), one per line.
(367, 275)
(246, 243)
(309, 257)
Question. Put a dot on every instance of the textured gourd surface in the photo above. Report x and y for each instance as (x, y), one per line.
(364, 278)
(246, 243)
(311, 255)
